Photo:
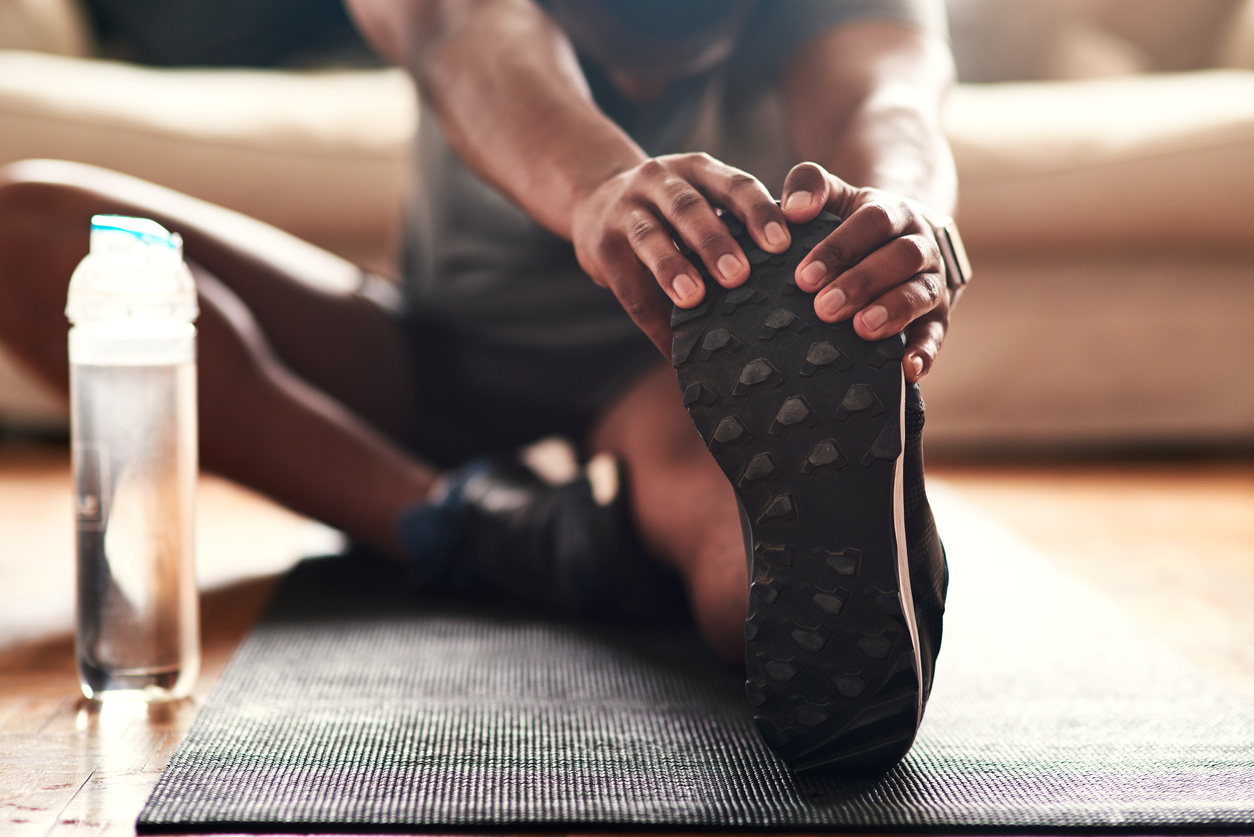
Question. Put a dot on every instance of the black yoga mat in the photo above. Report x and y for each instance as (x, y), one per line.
(353, 707)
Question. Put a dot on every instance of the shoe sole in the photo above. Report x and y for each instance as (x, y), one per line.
(806, 420)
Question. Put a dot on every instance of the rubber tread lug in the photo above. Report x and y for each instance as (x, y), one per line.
(823, 355)
(697, 394)
(679, 316)
(757, 371)
(718, 340)
(682, 346)
(781, 319)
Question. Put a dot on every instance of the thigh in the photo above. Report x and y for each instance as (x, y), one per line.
(320, 316)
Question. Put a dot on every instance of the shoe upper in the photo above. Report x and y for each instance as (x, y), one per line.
(929, 572)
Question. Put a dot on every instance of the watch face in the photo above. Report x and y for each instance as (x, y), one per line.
(957, 265)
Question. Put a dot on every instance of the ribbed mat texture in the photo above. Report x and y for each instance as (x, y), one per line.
(352, 707)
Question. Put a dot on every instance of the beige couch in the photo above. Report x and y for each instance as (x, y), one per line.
(1109, 211)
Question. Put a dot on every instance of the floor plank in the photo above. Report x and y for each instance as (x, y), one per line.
(1173, 542)
(73, 766)
(239, 535)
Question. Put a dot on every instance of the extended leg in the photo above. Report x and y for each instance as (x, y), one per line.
(304, 383)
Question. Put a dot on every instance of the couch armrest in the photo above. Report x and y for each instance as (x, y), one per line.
(323, 155)
(1157, 160)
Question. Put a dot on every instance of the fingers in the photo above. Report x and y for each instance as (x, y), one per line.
(652, 245)
(694, 221)
(907, 308)
(897, 287)
(906, 261)
(743, 196)
(646, 309)
(807, 189)
(898, 307)
(640, 221)
(685, 189)
(677, 200)
(881, 266)
(923, 341)
(871, 226)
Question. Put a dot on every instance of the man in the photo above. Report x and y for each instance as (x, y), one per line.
(556, 156)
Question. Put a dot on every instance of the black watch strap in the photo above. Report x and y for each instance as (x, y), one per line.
(957, 266)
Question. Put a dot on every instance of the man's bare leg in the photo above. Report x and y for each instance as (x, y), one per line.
(301, 381)
(685, 510)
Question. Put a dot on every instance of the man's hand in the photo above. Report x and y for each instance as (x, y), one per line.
(628, 234)
(881, 266)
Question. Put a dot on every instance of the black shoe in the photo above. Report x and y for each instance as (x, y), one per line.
(808, 421)
(929, 571)
(502, 530)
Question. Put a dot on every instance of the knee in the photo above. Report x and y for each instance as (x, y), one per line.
(44, 232)
(34, 184)
(45, 220)
(43, 196)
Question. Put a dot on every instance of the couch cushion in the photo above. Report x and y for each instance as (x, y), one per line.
(1093, 349)
(1155, 159)
(320, 154)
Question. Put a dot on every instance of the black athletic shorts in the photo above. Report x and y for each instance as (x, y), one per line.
(480, 395)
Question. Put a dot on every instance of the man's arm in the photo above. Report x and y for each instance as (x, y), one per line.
(513, 104)
(864, 102)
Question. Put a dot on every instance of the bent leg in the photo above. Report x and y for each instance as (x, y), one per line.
(296, 370)
(306, 301)
(685, 510)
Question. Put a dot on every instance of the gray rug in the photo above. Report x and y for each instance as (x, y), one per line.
(351, 707)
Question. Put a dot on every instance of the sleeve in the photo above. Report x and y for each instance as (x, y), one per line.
(778, 29)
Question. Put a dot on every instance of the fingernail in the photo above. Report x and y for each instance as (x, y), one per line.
(775, 235)
(875, 317)
(916, 363)
(798, 200)
(813, 273)
(832, 301)
(684, 286)
(729, 266)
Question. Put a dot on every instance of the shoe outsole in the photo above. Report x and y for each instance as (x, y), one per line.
(806, 420)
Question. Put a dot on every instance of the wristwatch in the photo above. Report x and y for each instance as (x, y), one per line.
(957, 266)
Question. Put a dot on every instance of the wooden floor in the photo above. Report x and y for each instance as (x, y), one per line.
(1173, 541)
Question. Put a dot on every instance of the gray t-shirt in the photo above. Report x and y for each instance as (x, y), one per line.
(513, 295)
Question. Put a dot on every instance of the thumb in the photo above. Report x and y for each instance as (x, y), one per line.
(809, 189)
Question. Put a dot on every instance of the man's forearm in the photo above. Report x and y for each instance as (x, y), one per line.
(513, 104)
(889, 145)
(864, 102)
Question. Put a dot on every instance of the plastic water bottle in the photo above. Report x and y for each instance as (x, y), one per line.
(133, 436)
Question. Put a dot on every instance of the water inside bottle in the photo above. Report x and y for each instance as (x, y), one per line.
(135, 473)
